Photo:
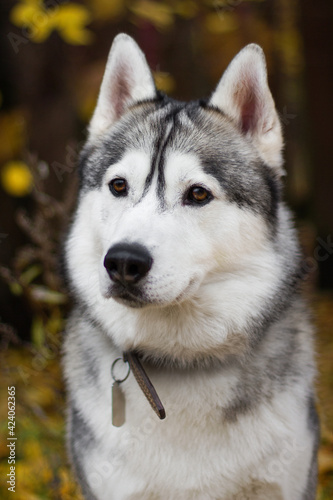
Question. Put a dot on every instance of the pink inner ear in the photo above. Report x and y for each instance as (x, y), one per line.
(247, 100)
(249, 113)
(120, 90)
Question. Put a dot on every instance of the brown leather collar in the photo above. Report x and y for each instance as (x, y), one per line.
(131, 357)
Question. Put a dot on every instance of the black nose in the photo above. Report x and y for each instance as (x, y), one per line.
(127, 262)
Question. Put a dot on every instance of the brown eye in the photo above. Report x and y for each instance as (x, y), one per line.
(118, 187)
(198, 195)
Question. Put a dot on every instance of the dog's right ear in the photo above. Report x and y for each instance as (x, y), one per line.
(127, 79)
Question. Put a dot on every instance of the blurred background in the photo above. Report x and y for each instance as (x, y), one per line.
(53, 57)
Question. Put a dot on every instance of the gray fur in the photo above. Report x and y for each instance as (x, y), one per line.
(91, 365)
(269, 370)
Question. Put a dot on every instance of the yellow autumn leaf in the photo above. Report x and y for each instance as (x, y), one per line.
(160, 15)
(72, 15)
(23, 13)
(40, 32)
(31, 14)
(70, 21)
(16, 178)
(76, 36)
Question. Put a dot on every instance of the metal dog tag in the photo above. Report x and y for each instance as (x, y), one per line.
(118, 405)
(117, 397)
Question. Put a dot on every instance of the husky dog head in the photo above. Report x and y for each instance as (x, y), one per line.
(179, 219)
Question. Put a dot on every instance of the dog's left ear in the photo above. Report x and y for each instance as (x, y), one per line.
(127, 80)
(244, 95)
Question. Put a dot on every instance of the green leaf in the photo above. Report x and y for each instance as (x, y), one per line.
(37, 331)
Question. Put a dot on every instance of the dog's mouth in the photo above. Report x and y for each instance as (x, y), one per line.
(128, 295)
(133, 296)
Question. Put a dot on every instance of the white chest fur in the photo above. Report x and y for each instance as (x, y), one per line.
(194, 453)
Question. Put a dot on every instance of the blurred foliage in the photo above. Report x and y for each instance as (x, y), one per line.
(42, 471)
(39, 19)
(323, 316)
(34, 272)
(13, 134)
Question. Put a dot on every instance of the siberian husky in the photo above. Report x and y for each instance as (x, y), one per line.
(186, 269)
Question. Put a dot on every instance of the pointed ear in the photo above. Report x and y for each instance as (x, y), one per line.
(127, 79)
(243, 94)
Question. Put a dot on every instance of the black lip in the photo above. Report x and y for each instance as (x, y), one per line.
(128, 295)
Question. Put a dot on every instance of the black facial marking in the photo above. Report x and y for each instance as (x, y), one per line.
(161, 163)
(157, 148)
(165, 128)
